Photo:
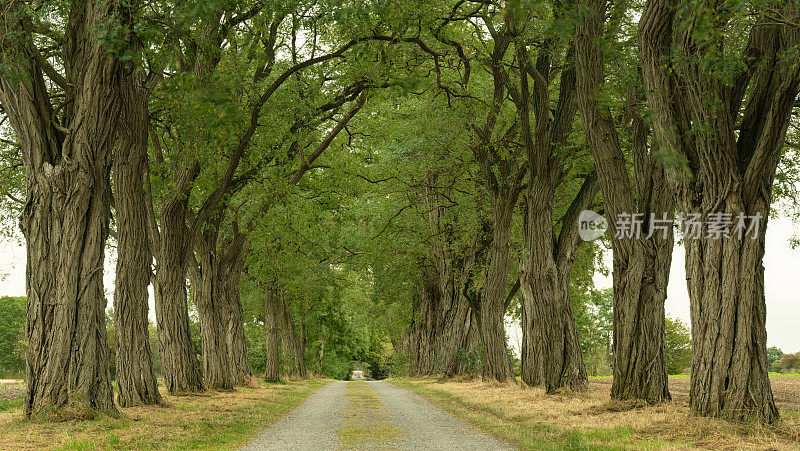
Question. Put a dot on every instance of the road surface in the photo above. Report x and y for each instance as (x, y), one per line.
(370, 415)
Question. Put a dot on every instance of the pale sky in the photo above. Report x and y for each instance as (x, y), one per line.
(781, 264)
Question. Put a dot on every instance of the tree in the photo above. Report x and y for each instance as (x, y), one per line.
(136, 380)
(641, 253)
(678, 346)
(774, 355)
(551, 351)
(66, 120)
(790, 362)
(721, 111)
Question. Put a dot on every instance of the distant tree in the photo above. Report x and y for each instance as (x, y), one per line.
(790, 362)
(774, 355)
(593, 315)
(679, 349)
(12, 331)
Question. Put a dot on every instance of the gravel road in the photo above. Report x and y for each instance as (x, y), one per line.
(312, 425)
(316, 424)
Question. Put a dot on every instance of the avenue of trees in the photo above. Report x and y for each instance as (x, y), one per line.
(304, 185)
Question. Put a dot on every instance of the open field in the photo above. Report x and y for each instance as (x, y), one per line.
(785, 388)
(532, 420)
(214, 420)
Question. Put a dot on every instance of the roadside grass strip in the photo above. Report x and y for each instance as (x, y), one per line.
(534, 420)
(211, 420)
(367, 423)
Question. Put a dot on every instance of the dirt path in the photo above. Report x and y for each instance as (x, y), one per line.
(371, 415)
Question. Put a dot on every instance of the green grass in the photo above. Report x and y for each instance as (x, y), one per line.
(10, 404)
(231, 431)
(528, 436)
(206, 421)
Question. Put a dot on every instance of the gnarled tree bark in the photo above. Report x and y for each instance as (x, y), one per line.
(728, 172)
(496, 364)
(272, 361)
(551, 352)
(451, 311)
(423, 323)
(65, 220)
(136, 380)
(290, 341)
(231, 266)
(641, 261)
(210, 310)
(180, 365)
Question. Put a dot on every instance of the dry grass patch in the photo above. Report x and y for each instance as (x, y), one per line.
(210, 420)
(534, 420)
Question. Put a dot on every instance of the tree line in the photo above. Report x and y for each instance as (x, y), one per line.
(416, 168)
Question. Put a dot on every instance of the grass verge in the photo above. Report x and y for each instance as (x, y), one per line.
(213, 420)
(529, 419)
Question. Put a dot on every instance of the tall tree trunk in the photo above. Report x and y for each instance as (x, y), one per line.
(551, 351)
(726, 290)
(231, 267)
(496, 364)
(65, 224)
(66, 214)
(136, 381)
(321, 355)
(181, 368)
(451, 339)
(641, 256)
(640, 290)
(450, 311)
(291, 342)
(730, 135)
(424, 324)
(210, 312)
(272, 363)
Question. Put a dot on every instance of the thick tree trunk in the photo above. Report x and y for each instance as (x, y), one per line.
(272, 362)
(210, 312)
(291, 341)
(730, 134)
(181, 368)
(321, 355)
(65, 220)
(65, 224)
(641, 259)
(640, 290)
(551, 352)
(424, 325)
(136, 381)
(450, 311)
(496, 364)
(730, 373)
(230, 271)
(451, 340)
